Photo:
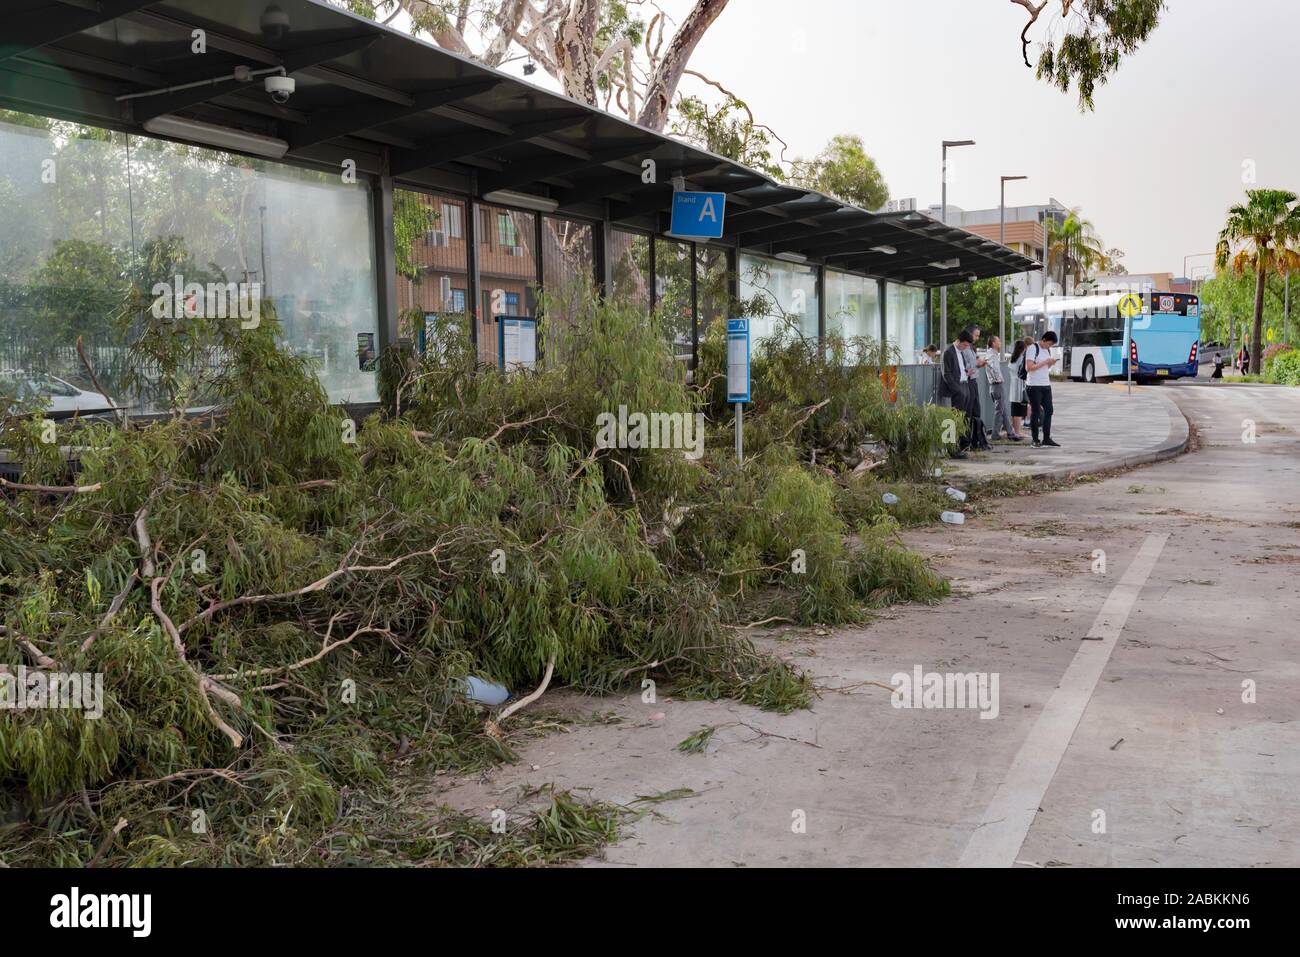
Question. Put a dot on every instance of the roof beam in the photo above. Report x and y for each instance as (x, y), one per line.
(350, 120)
(451, 149)
(150, 107)
(531, 171)
(783, 213)
(617, 183)
(794, 229)
(37, 28)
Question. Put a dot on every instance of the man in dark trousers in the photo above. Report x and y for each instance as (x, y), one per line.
(954, 386)
(1038, 382)
(973, 365)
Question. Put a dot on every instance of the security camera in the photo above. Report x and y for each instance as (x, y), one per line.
(280, 88)
(275, 23)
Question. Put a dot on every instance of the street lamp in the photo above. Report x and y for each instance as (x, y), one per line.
(1002, 238)
(1186, 274)
(943, 218)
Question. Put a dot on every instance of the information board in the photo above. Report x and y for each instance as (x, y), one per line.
(516, 342)
(737, 360)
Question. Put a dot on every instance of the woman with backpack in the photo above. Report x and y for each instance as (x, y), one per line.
(1020, 408)
(1016, 390)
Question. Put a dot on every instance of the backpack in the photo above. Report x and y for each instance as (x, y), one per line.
(1025, 371)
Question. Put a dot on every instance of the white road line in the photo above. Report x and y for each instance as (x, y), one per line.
(1005, 824)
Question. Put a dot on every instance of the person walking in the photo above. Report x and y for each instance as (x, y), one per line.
(1243, 363)
(1218, 366)
(953, 386)
(1038, 378)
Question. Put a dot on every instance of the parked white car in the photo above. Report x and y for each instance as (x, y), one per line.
(57, 396)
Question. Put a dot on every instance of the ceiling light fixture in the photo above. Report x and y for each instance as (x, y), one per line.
(222, 137)
(508, 197)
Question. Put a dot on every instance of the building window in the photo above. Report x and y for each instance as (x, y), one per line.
(436, 274)
(507, 236)
(451, 220)
(784, 294)
(155, 211)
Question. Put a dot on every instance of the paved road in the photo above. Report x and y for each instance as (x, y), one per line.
(1125, 733)
(1099, 426)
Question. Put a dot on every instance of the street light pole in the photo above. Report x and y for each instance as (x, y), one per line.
(1002, 282)
(943, 218)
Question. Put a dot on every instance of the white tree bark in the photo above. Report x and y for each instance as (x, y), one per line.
(668, 72)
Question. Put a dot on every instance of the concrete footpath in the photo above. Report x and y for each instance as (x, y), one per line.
(1100, 427)
(1146, 710)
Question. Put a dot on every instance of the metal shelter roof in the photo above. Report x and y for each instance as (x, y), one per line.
(433, 120)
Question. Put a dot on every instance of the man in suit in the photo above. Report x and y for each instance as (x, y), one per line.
(973, 411)
(954, 386)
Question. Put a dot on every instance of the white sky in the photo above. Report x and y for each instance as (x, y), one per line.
(1155, 167)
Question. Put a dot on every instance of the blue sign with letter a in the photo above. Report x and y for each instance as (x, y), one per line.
(737, 361)
(698, 215)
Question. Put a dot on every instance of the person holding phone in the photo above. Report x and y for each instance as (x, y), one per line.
(1038, 381)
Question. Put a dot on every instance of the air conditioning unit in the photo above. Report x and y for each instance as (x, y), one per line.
(515, 250)
(437, 237)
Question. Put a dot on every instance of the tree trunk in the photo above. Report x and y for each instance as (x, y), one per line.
(668, 72)
(575, 51)
(1257, 335)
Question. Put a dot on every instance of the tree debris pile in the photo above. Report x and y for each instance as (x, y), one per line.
(283, 606)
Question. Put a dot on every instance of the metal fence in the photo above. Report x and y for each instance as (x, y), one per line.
(920, 384)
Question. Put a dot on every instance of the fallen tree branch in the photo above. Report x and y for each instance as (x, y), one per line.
(207, 687)
(319, 584)
(51, 489)
(297, 665)
(494, 727)
(94, 379)
(107, 842)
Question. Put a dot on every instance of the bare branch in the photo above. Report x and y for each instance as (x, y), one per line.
(51, 489)
(1034, 13)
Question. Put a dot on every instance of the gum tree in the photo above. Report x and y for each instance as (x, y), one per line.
(603, 52)
(1085, 41)
(1261, 236)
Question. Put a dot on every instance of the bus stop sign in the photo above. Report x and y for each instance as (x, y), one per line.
(698, 215)
(737, 361)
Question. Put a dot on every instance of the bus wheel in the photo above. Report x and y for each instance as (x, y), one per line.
(1089, 370)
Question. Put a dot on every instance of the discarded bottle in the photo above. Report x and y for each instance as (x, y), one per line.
(956, 494)
(484, 692)
(953, 518)
(890, 498)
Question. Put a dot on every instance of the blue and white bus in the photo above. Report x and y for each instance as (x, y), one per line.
(1091, 333)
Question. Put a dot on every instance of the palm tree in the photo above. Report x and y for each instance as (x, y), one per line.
(1261, 232)
(1073, 245)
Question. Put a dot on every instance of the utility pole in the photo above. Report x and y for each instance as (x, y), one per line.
(943, 218)
(1002, 282)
